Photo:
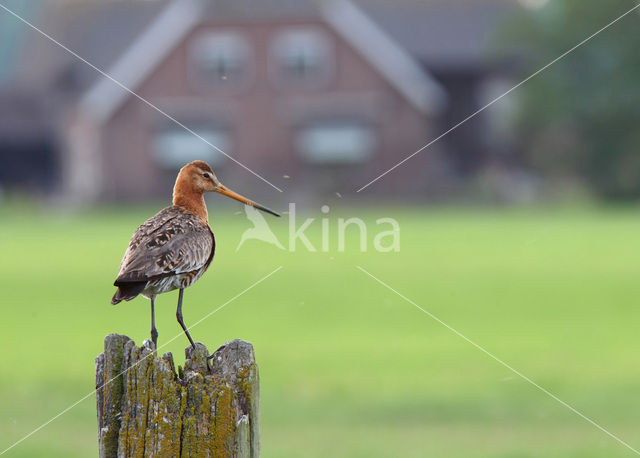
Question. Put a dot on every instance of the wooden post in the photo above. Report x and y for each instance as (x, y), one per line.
(146, 409)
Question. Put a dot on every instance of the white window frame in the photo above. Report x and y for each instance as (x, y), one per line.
(310, 36)
(226, 41)
(319, 142)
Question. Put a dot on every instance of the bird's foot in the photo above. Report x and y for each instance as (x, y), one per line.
(148, 345)
(213, 355)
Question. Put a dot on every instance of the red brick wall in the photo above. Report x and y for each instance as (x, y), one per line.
(264, 117)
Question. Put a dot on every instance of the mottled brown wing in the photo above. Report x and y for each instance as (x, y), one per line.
(173, 241)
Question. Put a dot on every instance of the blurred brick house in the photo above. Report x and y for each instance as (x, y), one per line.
(315, 97)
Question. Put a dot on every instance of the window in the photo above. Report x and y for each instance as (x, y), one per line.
(302, 56)
(174, 147)
(336, 143)
(500, 119)
(221, 59)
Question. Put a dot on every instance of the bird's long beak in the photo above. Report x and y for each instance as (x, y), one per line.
(234, 195)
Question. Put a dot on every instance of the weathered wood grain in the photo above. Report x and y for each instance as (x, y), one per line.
(146, 408)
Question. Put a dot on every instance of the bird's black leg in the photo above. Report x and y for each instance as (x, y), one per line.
(179, 317)
(154, 331)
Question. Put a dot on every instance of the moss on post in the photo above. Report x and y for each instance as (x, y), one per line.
(145, 408)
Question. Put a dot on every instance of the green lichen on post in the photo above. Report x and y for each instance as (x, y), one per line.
(139, 365)
(209, 410)
(224, 421)
(164, 416)
(235, 363)
(109, 391)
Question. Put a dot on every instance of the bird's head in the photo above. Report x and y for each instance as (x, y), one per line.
(198, 177)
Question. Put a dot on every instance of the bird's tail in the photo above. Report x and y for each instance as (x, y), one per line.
(127, 291)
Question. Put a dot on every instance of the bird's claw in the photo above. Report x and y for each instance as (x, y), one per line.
(210, 357)
(148, 345)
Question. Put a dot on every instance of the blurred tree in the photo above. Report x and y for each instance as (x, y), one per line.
(579, 119)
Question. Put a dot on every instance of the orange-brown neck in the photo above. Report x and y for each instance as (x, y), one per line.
(185, 196)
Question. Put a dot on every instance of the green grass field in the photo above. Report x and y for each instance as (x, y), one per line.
(349, 368)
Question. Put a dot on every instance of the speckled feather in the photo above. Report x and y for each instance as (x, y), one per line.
(171, 250)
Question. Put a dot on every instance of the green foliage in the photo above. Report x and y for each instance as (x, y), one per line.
(579, 118)
(348, 368)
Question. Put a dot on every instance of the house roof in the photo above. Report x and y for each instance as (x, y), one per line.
(387, 56)
(155, 43)
(99, 31)
(172, 24)
(429, 33)
(443, 33)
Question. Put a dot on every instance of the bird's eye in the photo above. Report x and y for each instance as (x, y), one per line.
(206, 175)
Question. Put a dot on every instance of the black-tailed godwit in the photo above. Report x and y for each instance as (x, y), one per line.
(175, 247)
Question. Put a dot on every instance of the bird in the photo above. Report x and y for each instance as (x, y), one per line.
(172, 249)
